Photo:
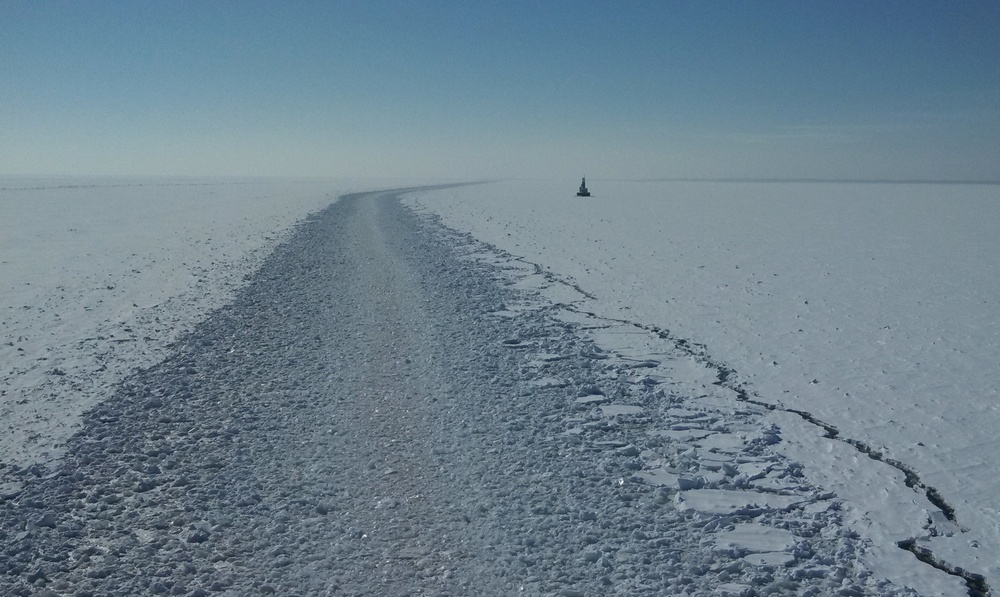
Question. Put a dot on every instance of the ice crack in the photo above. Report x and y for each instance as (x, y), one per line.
(976, 583)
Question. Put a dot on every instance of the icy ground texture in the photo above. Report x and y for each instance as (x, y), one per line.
(383, 411)
(97, 276)
(871, 308)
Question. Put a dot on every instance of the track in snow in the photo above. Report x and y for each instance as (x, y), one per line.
(378, 413)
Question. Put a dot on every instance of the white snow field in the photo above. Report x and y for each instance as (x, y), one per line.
(99, 275)
(254, 387)
(867, 315)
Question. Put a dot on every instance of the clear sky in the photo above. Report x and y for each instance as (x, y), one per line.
(627, 89)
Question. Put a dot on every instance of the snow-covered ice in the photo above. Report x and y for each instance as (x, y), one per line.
(362, 419)
(866, 314)
(99, 275)
(724, 388)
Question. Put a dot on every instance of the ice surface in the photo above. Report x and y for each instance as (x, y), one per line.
(756, 538)
(97, 276)
(356, 407)
(865, 311)
(611, 410)
(852, 328)
(720, 501)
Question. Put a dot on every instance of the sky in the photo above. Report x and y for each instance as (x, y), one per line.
(898, 90)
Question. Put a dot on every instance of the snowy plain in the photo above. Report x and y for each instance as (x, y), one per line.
(869, 312)
(99, 275)
(781, 362)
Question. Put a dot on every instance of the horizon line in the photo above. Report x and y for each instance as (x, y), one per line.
(716, 179)
(816, 180)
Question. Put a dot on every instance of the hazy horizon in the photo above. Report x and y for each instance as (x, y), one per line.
(223, 179)
(852, 91)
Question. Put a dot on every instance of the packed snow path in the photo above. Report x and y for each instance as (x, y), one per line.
(378, 413)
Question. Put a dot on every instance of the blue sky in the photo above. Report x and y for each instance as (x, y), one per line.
(763, 89)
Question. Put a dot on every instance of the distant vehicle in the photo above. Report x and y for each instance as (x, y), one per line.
(583, 192)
